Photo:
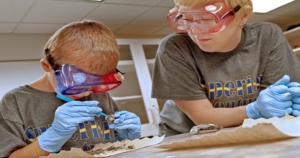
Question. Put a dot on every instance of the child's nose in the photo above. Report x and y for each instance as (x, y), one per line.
(195, 29)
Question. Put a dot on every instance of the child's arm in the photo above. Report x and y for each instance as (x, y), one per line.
(65, 124)
(32, 150)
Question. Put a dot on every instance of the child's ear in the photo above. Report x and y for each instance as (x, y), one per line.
(247, 14)
(45, 65)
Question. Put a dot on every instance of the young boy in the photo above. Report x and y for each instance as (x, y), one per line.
(80, 63)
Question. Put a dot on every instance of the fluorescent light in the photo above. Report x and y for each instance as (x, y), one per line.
(263, 6)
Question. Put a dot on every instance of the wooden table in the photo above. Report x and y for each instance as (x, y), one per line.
(289, 148)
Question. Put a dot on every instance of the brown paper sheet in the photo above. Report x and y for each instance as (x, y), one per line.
(259, 130)
(109, 149)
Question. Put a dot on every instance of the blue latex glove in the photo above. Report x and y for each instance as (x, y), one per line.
(275, 101)
(127, 124)
(294, 89)
(66, 120)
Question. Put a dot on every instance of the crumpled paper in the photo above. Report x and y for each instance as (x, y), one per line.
(259, 130)
(108, 149)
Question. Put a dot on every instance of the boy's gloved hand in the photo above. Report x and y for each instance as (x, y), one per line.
(66, 120)
(294, 89)
(127, 124)
(275, 101)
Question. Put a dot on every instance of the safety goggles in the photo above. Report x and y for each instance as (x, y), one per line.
(210, 18)
(72, 81)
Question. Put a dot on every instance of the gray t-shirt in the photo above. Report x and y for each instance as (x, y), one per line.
(26, 112)
(182, 71)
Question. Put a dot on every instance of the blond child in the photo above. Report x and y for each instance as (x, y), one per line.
(221, 70)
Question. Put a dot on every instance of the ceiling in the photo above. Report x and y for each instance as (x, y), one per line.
(126, 18)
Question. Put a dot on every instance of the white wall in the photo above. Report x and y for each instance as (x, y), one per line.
(19, 60)
(22, 46)
(14, 74)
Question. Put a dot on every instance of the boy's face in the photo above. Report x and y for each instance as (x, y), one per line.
(210, 25)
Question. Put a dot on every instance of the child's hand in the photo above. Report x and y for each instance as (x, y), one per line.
(275, 101)
(66, 120)
(127, 124)
(294, 89)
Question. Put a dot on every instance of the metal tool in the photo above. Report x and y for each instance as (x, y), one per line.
(205, 128)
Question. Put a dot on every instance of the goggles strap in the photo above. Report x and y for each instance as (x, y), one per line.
(51, 60)
(232, 12)
(237, 8)
(122, 73)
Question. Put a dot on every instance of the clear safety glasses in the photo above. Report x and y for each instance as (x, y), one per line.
(210, 18)
(72, 81)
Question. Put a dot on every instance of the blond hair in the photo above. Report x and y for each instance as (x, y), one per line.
(86, 44)
(246, 5)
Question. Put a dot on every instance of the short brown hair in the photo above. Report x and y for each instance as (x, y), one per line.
(86, 44)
